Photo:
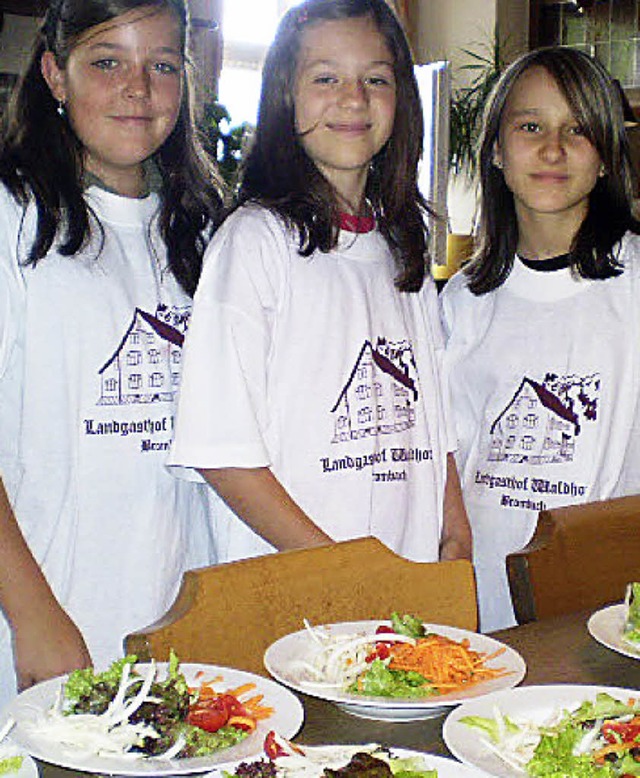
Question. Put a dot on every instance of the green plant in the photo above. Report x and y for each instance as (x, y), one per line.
(467, 105)
(222, 141)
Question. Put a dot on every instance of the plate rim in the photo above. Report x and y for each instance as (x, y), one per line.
(122, 766)
(549, 690)
(593, 625)
(386, 703)
(401, 751)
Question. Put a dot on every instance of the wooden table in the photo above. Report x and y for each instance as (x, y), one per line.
(556, 651)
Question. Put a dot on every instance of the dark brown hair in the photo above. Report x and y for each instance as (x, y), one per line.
(40, 155)
(594, 101)
(279, 174)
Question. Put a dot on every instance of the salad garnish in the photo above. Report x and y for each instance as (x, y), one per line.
(598, 739)
(128, 711)
(287, 760)
(631, 629)
(10, 758)
(400, 660)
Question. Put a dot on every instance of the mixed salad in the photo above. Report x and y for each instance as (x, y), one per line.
(286, 760)
(599, 739)
(10, 758)
(400, 660)
(129, 711)
(631, 629)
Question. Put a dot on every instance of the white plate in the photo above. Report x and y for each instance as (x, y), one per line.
(606, 626)
(528, 703)
(286, 720)
(447, 768)
(28, 769)
(281, 658)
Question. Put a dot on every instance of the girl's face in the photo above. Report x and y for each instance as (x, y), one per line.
(345, 100)
(122, 89)
(548, 163)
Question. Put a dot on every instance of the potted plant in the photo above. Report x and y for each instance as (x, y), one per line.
(222, 141)
(466, 113)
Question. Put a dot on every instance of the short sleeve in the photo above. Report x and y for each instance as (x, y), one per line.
(12, 289)
(222, 410)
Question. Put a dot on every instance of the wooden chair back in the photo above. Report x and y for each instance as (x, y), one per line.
(229, 614)
(580, 557)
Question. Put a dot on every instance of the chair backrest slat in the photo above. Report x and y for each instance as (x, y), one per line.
(580, 557)
(229, 614)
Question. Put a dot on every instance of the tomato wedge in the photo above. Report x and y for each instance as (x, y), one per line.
(207, 717)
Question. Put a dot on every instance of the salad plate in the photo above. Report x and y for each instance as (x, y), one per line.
(535, 704)
(336, 756)
(606, 626)
(28, 768)
(288, 658)
(28, 707)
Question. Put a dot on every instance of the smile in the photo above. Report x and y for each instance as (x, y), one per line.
(132, 119)
(354, 128)
(550, 178)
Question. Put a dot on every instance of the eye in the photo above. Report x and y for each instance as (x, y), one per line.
(577, 130)
(106, 63)
(529, 127)
(324, 79)
(166, 68)
(379, 81)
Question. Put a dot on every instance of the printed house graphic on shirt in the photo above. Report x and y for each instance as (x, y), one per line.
(535, 427)
(378, 397)
(145, 367)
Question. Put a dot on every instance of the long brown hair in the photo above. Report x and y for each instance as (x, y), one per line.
(279, 174)
(594, 101)
(41, 157)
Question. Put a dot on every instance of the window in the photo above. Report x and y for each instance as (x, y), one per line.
(248, 29)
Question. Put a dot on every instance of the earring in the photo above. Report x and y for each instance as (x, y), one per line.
(497, 163)
(61, 110)
(602, 172)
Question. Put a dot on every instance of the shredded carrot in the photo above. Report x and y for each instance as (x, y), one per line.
(447, 665)
(246, 687)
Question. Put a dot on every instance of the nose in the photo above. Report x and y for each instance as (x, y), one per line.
(353, 93)
(137, 84)
(553, 146)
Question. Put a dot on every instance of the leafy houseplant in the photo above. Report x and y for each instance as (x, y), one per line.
(466, 112)
(467, 106)
(222, 141)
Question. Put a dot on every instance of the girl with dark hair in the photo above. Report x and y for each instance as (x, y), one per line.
(319, 415)
(106, 205)
(543, 323)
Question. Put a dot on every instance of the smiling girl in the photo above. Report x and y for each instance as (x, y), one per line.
(312, 398)
(544, 323)
(105, 207)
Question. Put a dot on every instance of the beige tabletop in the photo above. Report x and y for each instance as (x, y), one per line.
(556, 651)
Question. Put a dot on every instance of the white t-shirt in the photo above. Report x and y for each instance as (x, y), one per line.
(90, 359)
(321, 370)
(544, 383)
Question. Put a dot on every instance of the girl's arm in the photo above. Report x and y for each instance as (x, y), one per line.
(456, 530)
(257, 497)
(46, 642)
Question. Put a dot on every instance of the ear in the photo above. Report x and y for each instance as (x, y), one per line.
(53, 75)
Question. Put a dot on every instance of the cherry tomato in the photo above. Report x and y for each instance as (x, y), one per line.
(207, 718)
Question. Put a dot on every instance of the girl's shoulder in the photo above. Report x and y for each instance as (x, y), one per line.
(458, 304)
(251, 236)
(630, 247)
